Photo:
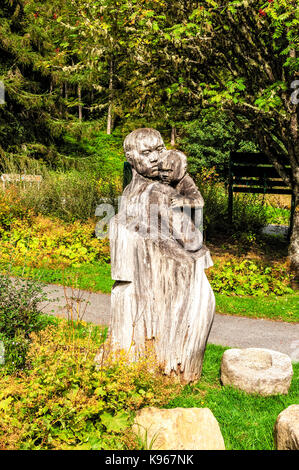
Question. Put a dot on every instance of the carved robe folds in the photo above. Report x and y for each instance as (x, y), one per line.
(161, 291)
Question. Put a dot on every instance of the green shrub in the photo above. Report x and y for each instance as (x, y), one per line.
(277, 215)
(215, 208)
(20, 315)
(52, 243)
(209, 140)
(64, 402)
(249, 278)
(69, 196)
(12, 209)
(40, 241)
(249, 213)
(91, 169)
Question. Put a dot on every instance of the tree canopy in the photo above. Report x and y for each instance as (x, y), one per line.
(144, 61)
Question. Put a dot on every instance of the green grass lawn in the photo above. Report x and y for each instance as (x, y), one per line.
(281, 308)
(246, 421)
(96, 277)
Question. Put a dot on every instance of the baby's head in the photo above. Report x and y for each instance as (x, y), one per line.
(173, 166)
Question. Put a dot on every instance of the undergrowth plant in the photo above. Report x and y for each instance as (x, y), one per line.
(250, 214)
(20, 315)
(249, 278)
(38, 241)
(87, 168)
(66, 401)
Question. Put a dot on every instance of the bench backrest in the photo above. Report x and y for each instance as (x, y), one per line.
(253, 173)
(127, 174)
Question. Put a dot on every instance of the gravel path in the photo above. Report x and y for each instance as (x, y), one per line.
(227, 330)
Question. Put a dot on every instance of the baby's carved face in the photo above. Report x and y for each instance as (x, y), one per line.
(172, 167)
(166, 172)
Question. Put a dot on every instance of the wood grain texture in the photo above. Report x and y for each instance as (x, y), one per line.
(161, 295)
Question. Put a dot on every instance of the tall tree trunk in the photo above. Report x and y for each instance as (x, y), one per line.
(80, 105)
(294, 243)
(66, 91)
(61, 97)
(173, 136)
(110, 117)
(294, 161)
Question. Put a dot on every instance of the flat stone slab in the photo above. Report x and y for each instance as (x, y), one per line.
(178, 429)
(272, 229)
(257, 370)
(286, 429)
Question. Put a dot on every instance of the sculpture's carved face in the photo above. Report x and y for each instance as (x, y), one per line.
(146, 154)
(172, 167)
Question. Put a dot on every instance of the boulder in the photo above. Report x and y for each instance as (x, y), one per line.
(257, 370)
(178, 429)
(286, 429)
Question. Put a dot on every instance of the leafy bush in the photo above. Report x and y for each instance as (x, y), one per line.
(90, 170)
(249, 213)
(64, 402)
(249, 278)
(277, 215)
(69, 196)
(52, 243)
(11, 210)
(40, 241)
(215, 208)
(20, 315)
(209, 139)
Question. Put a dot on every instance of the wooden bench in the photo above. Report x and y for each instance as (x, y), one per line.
(253, 173)
(127, 174)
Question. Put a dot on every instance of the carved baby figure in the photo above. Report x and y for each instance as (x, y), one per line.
(173, 171)
(185, 196)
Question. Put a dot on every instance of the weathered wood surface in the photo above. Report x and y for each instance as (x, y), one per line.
(161, 295)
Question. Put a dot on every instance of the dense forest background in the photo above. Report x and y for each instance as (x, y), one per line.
(212, 76)
(75, 72)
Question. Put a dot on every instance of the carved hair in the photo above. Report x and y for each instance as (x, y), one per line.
(130, 142)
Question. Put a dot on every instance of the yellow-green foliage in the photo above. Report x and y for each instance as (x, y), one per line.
(11, 210)
(248, 277)
(63, 402)
(37, 241)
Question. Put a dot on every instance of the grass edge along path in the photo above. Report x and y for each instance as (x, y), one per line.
(96, 277)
